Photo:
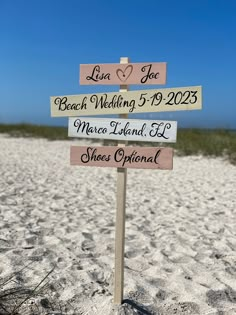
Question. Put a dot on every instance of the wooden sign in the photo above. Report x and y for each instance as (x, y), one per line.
(162, 100)
(129, 73)
(123, 157)
(123, 129)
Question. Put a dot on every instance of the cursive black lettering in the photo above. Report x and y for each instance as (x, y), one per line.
(102, 101)
(134, 157)
(85, 158)
(116, 102)
(119, 155)
(155, 132)
(63, 105)
(85, 127)
(114, 124)
(150, 75)
(156, 156)
(97, 76)
(92, 156)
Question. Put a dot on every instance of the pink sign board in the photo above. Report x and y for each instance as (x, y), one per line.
(122, 157)
(131, 73)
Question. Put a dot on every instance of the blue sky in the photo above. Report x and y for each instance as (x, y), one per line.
(43, 42)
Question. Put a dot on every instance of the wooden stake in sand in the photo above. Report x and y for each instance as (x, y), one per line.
(120, 217)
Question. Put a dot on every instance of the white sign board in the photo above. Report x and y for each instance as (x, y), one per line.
(123, 129)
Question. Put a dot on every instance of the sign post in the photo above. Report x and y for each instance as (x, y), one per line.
(120, 218)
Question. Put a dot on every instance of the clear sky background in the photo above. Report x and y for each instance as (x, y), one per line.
(43, 42)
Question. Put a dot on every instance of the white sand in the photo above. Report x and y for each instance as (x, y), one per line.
(180, 231)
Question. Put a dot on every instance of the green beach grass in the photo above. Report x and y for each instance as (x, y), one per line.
(206, 142)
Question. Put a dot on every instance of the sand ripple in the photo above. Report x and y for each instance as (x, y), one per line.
(180, 231)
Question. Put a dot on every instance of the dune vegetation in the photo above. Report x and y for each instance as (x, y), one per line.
(206, 142)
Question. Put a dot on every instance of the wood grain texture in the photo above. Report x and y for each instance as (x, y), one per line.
(131, 73)
(123, 129)
(159, 100)
(122, 157)
(120, 216)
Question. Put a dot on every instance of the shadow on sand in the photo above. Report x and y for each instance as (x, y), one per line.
(137, 307)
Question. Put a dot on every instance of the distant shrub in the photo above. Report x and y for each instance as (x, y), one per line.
(36, 131)
(208, 142)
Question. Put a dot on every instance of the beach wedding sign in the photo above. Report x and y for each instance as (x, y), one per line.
(124, 129)
(158, 100)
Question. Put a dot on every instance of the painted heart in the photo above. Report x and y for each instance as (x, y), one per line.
(123, 75)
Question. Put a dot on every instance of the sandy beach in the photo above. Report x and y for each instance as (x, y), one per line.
(180, 248)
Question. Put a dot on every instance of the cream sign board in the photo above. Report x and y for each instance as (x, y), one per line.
(131, 73)
(123, 129)
(161, 100)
